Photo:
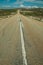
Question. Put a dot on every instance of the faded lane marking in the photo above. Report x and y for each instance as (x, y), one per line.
(22, 43)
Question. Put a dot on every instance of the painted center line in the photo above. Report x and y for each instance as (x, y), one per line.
(22, 43)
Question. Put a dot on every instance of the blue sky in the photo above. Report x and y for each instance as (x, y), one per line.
(20, 3)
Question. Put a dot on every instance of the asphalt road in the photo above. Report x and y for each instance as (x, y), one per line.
(10, 41)
(33, 36)
(10, 45)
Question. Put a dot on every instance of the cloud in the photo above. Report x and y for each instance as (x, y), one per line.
(34, 1)
(28, 6)
(31, 6)
(7, 6)
(15, 3)
(35, 7)
(22, 5)
(18, 2)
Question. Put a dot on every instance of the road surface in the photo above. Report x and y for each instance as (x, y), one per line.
(10, 41)
(33, 35)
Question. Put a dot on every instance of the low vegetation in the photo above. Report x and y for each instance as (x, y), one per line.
(7, 12)
(35, 12)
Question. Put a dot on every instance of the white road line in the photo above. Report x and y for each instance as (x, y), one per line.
(23, 46)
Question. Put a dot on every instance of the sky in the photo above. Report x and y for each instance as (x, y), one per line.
(21, 3)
